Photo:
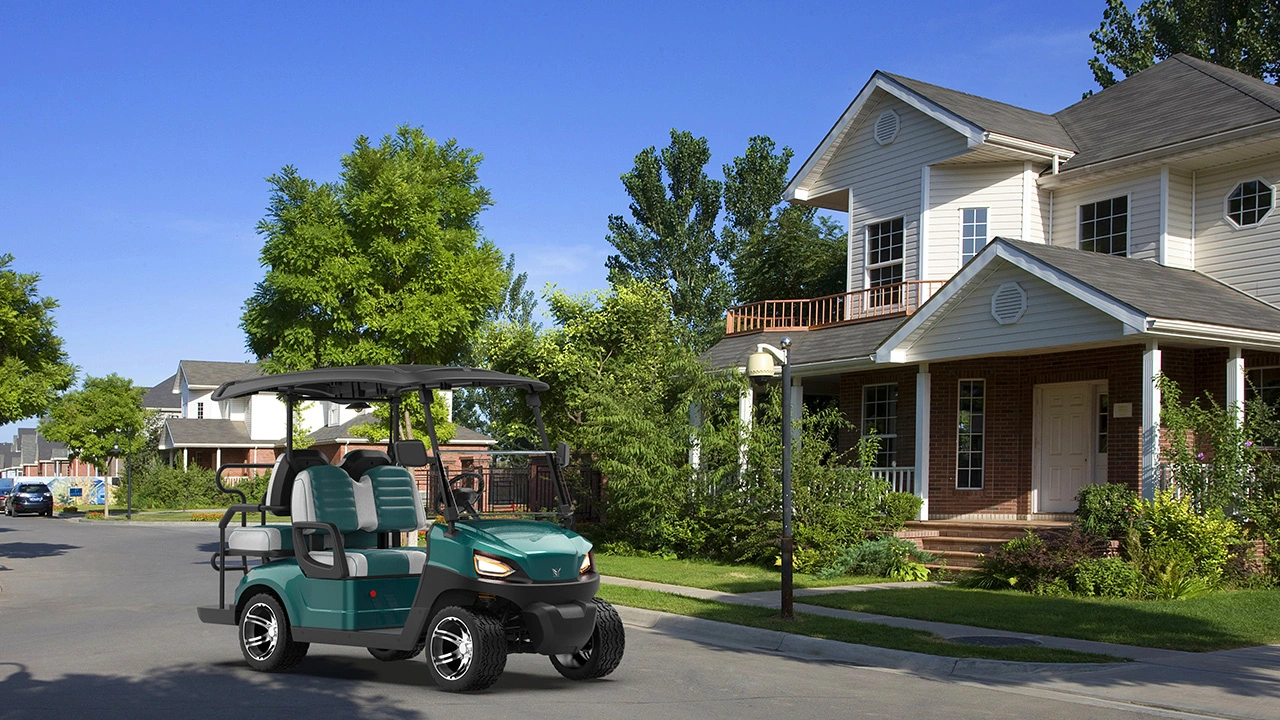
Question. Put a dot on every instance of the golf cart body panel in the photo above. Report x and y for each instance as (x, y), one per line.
(338, 574)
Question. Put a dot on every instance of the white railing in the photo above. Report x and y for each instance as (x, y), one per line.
(902, 479)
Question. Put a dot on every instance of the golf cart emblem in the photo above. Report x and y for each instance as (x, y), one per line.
(555, 572)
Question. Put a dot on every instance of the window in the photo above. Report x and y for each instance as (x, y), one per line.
(973, 232)
(1249, 203)
(1104, 414)
(884, 261)
(199, 411)
(969, 432)
(333, 414)
(880, 413)
(1264, 384)
(1104, 226)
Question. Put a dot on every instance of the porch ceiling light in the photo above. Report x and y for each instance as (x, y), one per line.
(358, 406)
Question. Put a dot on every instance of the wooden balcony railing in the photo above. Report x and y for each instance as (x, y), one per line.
(852, 306)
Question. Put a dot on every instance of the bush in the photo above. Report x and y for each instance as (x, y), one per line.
(160, 486)
(1172, 528)
(1107, 577)
(889, 557)
(1106, 510)
(897, 508)
(1036, 561)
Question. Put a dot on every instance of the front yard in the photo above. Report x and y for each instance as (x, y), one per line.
(1215, 621)
(712, 576)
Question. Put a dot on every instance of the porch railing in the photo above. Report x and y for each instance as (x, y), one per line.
(522, 489)
(903, 479)
(852, 306)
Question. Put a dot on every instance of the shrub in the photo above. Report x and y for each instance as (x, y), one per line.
(889, 557)
(897, 508)
(1107, 577)
(1106, 510)
(1036, 560)
(205, 517)
(1172, 528)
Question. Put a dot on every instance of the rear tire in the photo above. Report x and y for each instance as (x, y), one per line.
(265, 638)
(602, 653)
(397, 655)
(466, 649)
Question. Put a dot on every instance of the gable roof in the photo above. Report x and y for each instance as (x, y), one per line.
(162, 396)
(830, 344)
(342, 433)
(1176, 100)
(193, 432)
(206, 374)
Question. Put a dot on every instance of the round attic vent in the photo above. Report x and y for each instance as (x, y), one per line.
(1008, 303)
(887, 127)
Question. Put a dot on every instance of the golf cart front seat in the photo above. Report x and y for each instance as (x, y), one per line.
(276, 539)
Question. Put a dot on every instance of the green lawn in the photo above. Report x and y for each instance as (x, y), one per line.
(1216, 621)
(836, 629)
(711, 576)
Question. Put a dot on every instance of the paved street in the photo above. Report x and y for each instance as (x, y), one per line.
(98, 621)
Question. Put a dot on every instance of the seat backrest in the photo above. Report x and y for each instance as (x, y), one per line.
(283, 475)
(325, 494)
(358, 462)
(388, 500)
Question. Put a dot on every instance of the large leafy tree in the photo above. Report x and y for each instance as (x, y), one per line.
(671, 240)
(1240, 34)
(104, 412)
(33, 365)
(778, 250)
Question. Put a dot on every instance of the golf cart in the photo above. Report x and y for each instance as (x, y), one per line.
(482, 587)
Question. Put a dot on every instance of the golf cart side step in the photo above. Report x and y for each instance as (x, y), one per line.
(387, 638)
(217, 616)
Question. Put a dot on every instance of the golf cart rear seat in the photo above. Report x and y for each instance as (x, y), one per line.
(276, 539)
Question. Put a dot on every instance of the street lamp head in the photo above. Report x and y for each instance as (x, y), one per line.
(760, 365)
(115, 449)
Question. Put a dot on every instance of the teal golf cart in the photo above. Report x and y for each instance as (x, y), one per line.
(483, 587)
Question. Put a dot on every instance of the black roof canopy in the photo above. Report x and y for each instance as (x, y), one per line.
(372, 382)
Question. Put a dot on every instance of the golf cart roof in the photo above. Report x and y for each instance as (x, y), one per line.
(372, 382)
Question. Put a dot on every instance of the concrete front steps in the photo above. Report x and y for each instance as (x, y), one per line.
(962, 543)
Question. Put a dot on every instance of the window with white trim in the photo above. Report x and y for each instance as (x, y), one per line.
(199, 411)
(1249, 203)
(1104, 226)
(970, 429)
(884, 261)
(973, 232)
(880, 414)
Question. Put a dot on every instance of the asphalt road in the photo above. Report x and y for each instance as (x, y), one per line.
(98, 621)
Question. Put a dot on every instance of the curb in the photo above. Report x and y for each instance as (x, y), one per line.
(803, 647)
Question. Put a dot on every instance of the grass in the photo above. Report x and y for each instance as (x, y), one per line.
(849, 631)
(1216, 621)
(710, 575)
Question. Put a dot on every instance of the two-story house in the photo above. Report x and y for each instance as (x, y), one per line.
(1017, 281)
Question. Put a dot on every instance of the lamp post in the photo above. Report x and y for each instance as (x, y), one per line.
(760, 365)
(128, 470)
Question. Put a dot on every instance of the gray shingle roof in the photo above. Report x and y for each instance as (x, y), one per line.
(162, 396)
(807, 346)
(1156, 290)
(206, 373)
(467, 436)
(210, 433)
(993, 116)
(337, 433)
(1176, 100)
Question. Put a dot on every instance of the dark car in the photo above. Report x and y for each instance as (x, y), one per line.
(30, 498)
(6, 488)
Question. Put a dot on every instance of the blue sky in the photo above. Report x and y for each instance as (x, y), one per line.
(138, 136)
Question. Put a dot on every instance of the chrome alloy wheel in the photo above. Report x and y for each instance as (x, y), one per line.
(578, 658)
(451, 648)
(260, 631)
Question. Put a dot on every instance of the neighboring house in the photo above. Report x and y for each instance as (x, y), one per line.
(1018, 281)
(162, 400)
(30, 455)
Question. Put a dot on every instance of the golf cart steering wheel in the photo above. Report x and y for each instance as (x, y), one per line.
(467, 499)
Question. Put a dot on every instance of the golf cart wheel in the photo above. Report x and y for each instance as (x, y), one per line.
(397, 655)
(265, 638)
(466, 649)
(602, 653)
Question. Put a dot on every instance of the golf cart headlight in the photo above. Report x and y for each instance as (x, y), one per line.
(492, 567)
(588, 563)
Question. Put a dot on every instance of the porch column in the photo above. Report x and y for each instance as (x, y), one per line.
(1236, 383)
(746, 401)
(1150, 420)
(797, 409)
(184, 459)
(217, 459)
(924, 393)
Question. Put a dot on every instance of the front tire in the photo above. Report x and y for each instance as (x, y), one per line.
(265, 639)
(466, 649)
(602, 653)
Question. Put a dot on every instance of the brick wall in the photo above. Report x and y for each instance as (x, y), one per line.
(851, 385)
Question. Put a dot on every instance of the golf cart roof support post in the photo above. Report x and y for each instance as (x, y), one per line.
(450, 504)
(565, 511)
(288, 428)
(393, 428)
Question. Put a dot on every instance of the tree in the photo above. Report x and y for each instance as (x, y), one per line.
(671, 240)
(387, 265)
(92, 421)
(778, 250)
(33, 366)
(1242, 35)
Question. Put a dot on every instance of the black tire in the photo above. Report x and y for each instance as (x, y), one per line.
(452, 633)
(264, 624)
(397, 655)
(602, 653)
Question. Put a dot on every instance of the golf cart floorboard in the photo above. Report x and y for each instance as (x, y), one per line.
(384, 638)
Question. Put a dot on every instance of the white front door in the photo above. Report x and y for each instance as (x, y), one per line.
(1065, 445)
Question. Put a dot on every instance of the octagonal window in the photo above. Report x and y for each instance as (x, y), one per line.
(1250, 203)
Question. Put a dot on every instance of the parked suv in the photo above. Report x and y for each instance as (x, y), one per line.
(30, 497)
